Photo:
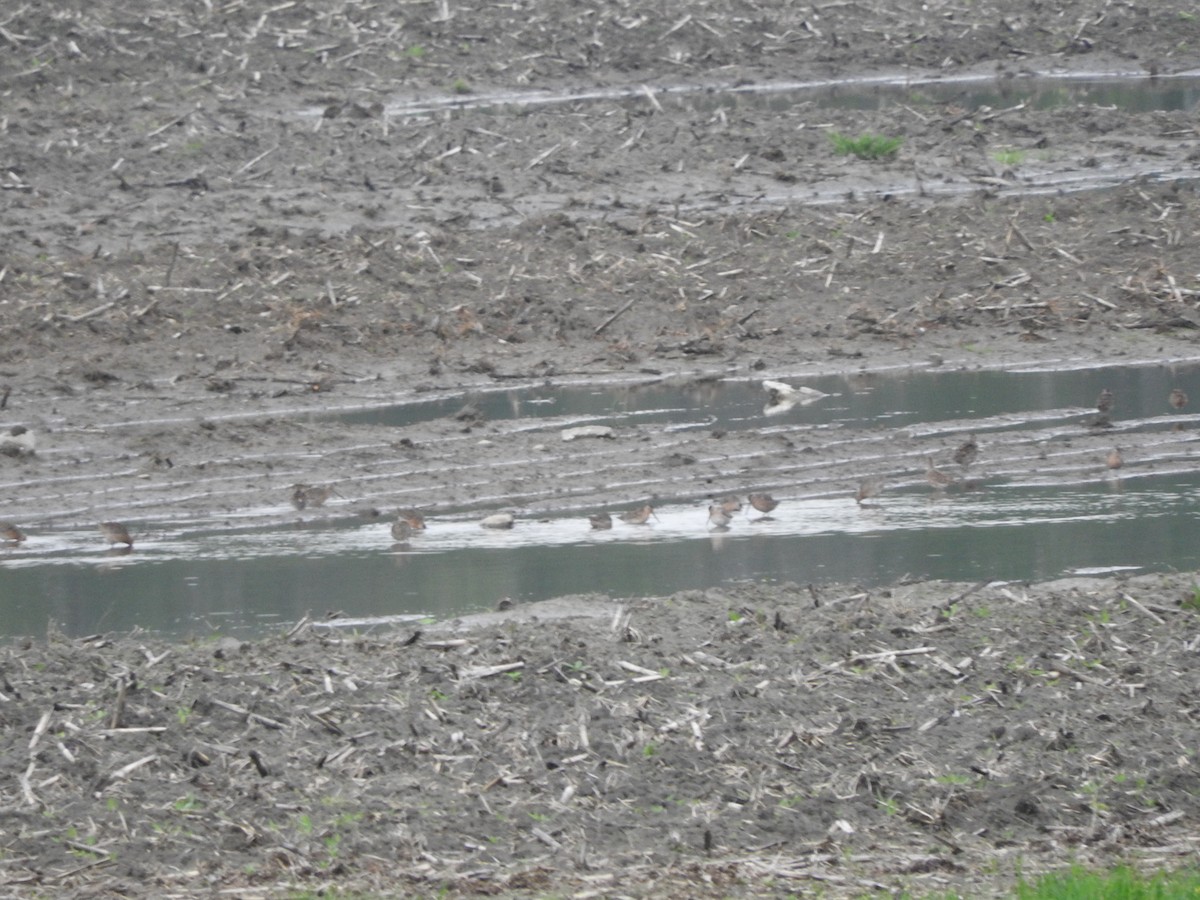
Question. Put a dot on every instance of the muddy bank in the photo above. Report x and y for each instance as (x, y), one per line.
(922, 737)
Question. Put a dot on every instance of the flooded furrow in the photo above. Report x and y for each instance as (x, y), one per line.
(1043, 477)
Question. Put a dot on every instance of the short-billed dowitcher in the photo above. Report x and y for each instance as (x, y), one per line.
(719, 517)
(1114, 460)
(730, 504)
(936, 477)
(306, 495)
(401, 530)
(115, 533)
(868, 488)
(638, 516)
(415, 520)
(1178, 399)
(498, 520)
(10, 533)
(967, 452)
(600, 521)
(764, 503)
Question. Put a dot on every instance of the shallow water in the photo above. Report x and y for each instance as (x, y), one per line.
(1134, 90)
(1018, 518)
(917, 400)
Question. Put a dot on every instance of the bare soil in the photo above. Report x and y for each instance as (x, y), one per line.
(220, 216)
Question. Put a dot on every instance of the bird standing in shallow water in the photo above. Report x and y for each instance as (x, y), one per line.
(967, 452)
(1114, 460)
(305, 495)
(936, 477)
(600, 521)
(1104, 403)
(401, 530)
(10, 533)
(719, 517)
(116, 533)
(638, 516)
(730, 504)
(764, 503)
(414, 519)
(1178, 399)
(868, 488)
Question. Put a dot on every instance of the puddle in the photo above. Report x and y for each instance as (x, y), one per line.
(1133, 91)
(866, 400)
(1042, 506)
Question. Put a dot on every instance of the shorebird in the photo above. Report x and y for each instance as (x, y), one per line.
(1104, 403)
(498, 520)
(305, 495)
(1114, 460)
(600, 521)
(1178, 399)
(10, 533)
(718, 517)
(414, 519)
(936, 477)
(401, 530)
(868, 488)
(764, 503)
(730, 504)
(115, 533)
(638, 516)
(967, 452)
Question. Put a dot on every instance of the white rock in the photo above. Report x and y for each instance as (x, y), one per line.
(499, 520)
(592, 431)
(781, 397)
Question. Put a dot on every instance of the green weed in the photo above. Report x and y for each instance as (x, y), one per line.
(1124, 883)
(865, 146)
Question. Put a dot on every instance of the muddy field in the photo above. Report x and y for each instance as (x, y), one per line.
(220, 217)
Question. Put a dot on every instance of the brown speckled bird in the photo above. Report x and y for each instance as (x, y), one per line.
(115, 533)
(719, 517)
(764, 503)
(868, 488)
(1114, 460)
(10, 533)
(1104, 403)
(305, 495)
(1178, 399)
(936, 477)
(967, 452)
(600, 521)
(414, 519)
(638, 516)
